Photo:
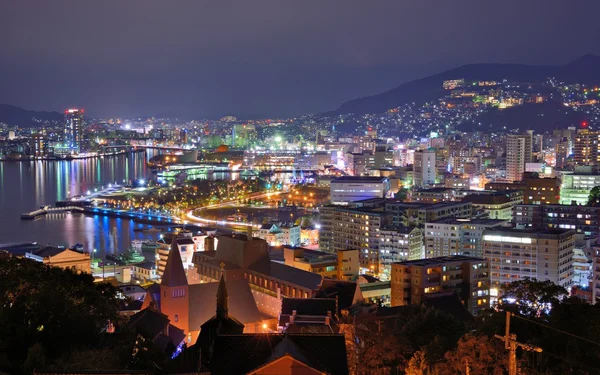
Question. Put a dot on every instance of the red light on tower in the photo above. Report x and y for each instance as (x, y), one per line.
(584, 124)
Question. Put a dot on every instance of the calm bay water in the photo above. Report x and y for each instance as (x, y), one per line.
(25, 186)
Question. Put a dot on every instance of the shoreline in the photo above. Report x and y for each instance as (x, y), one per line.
(28, 158)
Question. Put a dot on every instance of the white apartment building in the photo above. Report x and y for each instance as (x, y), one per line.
(345, 228)
(542, 254)
(424, 168)
(397, 244)
(355, 188)
(277, 235)
(454, 236)
(518, 153)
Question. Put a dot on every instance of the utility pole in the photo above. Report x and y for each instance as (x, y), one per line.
(511, 344)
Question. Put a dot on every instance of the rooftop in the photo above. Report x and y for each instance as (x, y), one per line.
(308, 306)
(441, 260)
(167, 240)
(444, 205)
(49, 251)
(531, 232)
(203, 302)
(288, 274)
(359, 179)
(310, 255)
(360, 210)
(497, 198)
(240, 354)
(432, 190)
(146, 265)
(458, 221)
(399, 229)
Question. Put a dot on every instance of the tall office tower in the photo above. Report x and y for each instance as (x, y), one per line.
(74, 128)
(424, 168)
(518, 153)
(586, 147)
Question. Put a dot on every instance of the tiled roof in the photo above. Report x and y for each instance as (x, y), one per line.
(174, 275)
(288, 274)
(240, 354)
(345, 291)
(203, 303)
(48, 251)
(149, 323)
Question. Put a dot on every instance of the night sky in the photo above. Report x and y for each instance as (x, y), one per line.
(254, 58)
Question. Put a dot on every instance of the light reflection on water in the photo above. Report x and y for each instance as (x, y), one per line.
(25, 186)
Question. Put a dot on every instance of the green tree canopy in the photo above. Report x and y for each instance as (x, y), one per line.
(46, 312)
(532, 297)
(594, 197)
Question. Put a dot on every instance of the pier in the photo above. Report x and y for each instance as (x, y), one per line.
(47, 210)
(139, 217)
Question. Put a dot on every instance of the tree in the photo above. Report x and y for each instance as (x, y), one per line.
(401, 194)
(594, 197)
(425, 326)
(481, 354)
(573, 352)
(378, 350)
(47, 311)
(418, 365)
(531, 297)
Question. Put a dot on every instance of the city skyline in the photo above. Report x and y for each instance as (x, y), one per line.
(275, 187)
(263, 59)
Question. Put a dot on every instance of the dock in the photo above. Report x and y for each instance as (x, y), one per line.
(47, 209)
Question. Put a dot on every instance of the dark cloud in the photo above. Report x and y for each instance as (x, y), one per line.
(277, 57)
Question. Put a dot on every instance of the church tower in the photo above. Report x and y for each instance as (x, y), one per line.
(220, 324)
(174, 296)
(222, 300)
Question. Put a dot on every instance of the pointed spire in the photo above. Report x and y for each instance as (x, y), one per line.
(222, 299)
(174, 274)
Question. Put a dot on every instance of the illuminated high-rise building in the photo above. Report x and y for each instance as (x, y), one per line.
(424, 168)
(586, 147)
(74, 129)
(38, 145)
(518, 153)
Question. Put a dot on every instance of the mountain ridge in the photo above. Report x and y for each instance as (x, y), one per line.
(584, 69)
(17, 116)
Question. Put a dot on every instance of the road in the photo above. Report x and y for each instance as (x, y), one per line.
(226, 223)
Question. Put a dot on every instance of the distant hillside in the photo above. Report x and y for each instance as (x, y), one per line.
(538, 117)
(12, 115)
(583, 70)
